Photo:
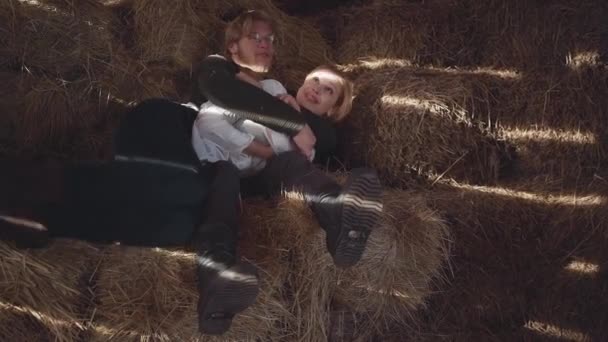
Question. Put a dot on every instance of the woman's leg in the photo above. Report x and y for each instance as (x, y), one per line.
(347, 213)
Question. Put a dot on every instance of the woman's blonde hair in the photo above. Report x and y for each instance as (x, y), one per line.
(344, 103)
(241, 26)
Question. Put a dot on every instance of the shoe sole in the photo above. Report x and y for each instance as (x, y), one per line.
(361, 209)
(230, 292)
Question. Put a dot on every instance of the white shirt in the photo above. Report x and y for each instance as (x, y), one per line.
(217, 136)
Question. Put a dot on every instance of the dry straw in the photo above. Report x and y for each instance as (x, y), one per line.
(183, 32)
(42, 289)
(49, 114)
(425, 121)
(150, 294)
(557, 122)
(69, 38)
(511, 243)
(470, 33)
(405, 253)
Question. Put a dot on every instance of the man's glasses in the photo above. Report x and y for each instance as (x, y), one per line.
(259, 39)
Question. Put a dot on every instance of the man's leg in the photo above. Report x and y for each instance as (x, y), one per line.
(27, 188)
(226, 285)
(347, 213)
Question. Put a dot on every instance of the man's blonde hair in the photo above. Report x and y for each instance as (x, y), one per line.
(241, 26)
(344, 103)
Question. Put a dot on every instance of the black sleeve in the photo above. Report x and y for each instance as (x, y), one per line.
(325, 132)
(217, 83)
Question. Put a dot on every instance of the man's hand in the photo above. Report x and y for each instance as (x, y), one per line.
(290, 100)
(305, 141)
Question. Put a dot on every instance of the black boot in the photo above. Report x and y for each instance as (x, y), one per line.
(226, 285)
(349, 215)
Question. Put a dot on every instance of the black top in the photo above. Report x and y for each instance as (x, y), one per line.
(325, 132)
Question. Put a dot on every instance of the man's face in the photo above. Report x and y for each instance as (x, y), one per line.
(320, 92)
(255, 50)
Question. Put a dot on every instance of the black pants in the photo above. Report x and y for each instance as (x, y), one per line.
(153, 194)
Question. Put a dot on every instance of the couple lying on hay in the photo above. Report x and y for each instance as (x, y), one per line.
(176, 172)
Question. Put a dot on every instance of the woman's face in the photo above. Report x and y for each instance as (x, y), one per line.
(320, 92)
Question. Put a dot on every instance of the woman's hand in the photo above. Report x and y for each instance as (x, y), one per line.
(305, 140)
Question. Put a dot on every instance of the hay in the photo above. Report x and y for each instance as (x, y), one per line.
(404, 257)
(511, 242)
(513, 34)
(148, 294)
(557, 122)
(42, 288)
(67, 38)
(173, 32)
(128, 81)
(391, 281)
(424, 121)
(57, 116)
(182, 33)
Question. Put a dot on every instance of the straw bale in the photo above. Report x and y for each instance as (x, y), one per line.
(150, 294)
(67, 38)
(396, 29)
(172, 31)
(43, 289)
(557, 122)
(56, 115)
(521, 34)
(404, 256)
(185, 31)
(512, 242)
(128, 80)
(391, 281)
(430, 122)
(571, 303)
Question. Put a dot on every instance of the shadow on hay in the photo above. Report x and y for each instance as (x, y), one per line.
(514, 34)
(523, 269)
(477, 125)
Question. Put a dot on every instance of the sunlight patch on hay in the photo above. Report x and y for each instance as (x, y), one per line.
(376, 63)
(44, 6)
(44, 285)
(571, 200)
(577, 137)
(553, 331)
(578, 60)
(582, 267)
(423, 105)
(41, 316)
(151, 293)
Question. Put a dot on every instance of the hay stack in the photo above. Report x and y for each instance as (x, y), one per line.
(151, 294)
(557, 122)
(67, 38)
(182, 33)
(404, 255)
(41, 291)
(55, 116)
(424, 121)
(512, 243)
(391, 281)
(514, 34)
